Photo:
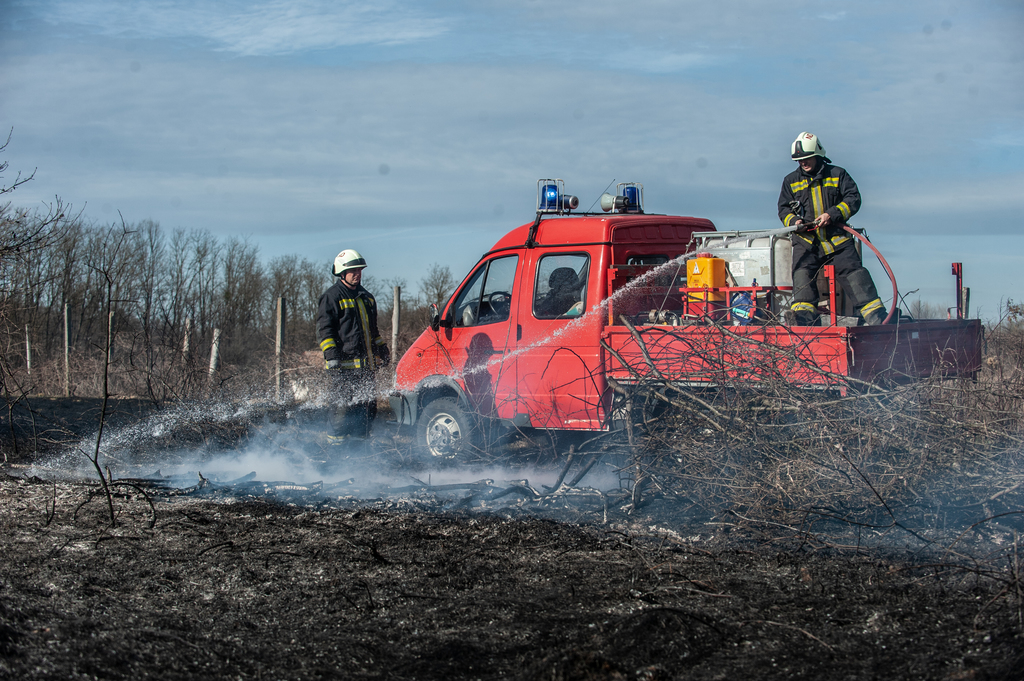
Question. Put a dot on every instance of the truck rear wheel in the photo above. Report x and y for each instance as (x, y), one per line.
(444, 429)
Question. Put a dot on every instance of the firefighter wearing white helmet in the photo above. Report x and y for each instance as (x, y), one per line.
(818, 199)
(346, 328)
(807, 145)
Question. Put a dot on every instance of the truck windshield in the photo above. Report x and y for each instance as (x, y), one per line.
(487, 296)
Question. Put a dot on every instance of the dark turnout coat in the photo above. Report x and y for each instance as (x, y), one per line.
(346, 327)
(829, 190)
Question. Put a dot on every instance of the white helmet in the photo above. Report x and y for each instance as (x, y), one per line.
(807, 145)
(349, 259)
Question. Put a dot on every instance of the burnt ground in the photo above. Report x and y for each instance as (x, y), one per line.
(258, 589)
(42, 423)
(263, 582)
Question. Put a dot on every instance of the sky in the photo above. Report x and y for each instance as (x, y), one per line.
(416, 132)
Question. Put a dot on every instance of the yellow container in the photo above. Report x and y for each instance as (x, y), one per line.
(702, 271)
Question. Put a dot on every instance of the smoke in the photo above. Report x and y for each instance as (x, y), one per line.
(256, 442)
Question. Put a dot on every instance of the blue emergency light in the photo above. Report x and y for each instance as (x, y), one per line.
(551, 197)
(629, 199)
(634, 198)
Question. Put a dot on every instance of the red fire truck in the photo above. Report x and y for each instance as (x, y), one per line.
(562, 313)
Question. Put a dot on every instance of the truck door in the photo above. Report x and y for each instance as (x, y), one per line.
(558, 365)
(478, 332)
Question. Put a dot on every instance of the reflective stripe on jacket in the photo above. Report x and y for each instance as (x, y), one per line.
(830, 190)
(346, 326)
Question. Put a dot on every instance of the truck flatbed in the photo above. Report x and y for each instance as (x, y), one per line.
(823, 356)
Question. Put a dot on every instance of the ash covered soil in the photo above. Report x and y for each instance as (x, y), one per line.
(421, 584)
(257, 589)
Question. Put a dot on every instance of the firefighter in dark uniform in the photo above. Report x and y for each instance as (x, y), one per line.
(346, 328)
(819, 198)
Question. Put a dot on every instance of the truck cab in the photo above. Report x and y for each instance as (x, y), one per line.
(519, 342)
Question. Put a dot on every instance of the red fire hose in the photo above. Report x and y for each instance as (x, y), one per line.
(888, 270)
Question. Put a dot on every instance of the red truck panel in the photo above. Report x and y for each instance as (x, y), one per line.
(801, 356)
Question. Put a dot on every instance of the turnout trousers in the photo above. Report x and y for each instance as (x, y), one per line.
(354, 396)
(809, 258)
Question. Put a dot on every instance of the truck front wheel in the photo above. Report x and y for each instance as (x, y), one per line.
(444, 429)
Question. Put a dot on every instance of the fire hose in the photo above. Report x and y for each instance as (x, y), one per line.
(888, 270)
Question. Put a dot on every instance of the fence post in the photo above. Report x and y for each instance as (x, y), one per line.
(214, 355)
(110, 336)
(279, 345)
(28, 351)
(396, 320)
(186, 344)
(67, 352)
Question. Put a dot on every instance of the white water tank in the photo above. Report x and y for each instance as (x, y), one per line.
(768, 259)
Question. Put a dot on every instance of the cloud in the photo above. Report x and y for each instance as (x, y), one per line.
(646, 60)
(235, 138)
(961, 200)
(291, 149)
(272, 27)
(1005, 138)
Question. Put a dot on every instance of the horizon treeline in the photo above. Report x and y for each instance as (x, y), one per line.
(158, 282)
(167, 291)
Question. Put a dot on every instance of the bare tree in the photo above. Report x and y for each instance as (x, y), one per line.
(300, 282)
(437, 285)
(920, 309)
(23, 236)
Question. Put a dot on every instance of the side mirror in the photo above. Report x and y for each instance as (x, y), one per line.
(435, 317)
